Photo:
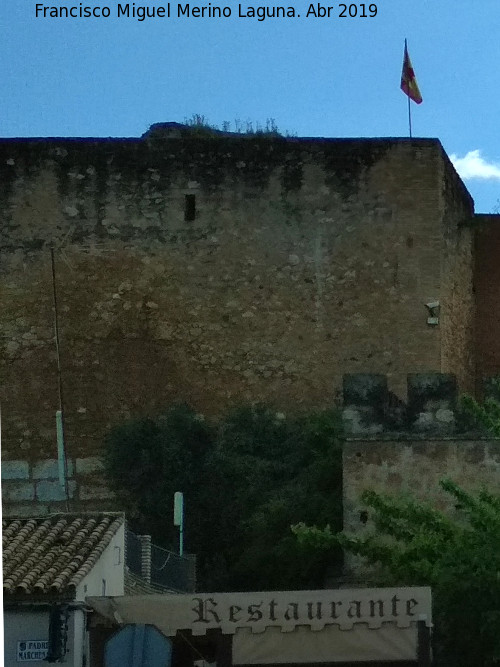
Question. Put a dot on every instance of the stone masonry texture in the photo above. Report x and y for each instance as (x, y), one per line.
(487, 288)
(434, 442)
(389, 466)
(412, 466)
(301, 259)
(35, 488)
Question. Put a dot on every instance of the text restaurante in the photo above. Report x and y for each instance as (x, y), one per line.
(208, 610)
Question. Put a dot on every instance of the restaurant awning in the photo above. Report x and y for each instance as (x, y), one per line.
(289, 626)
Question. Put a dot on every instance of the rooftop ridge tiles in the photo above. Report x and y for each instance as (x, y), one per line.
(23, 532)
(92, 559)
(55, 515)
(9, 530)
(73, 528)
(15, 562)
(60, 565)
(47, 577)
(31, 541)
(63, 578)
(26, 572)
(70, 546)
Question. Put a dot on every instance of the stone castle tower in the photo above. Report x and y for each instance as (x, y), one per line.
(216, 269)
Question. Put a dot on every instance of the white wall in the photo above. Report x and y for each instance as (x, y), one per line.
(33, 624)
(110, 568)
(79, 637)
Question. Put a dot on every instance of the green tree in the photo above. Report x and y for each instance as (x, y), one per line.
(147, 460)
(273, 472)
(457, 554)
(484, 415)
(245, 480)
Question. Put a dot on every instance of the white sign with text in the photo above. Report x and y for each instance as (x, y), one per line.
(32, 650)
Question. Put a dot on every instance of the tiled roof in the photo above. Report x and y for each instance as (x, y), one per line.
(52, 554)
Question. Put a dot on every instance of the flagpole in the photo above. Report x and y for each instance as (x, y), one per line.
(409, 106)
(409, 116)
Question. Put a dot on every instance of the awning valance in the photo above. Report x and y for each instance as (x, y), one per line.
(342, 608)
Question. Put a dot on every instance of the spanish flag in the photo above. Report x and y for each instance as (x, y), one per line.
(409, 84)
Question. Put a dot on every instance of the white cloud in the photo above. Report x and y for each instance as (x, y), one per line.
(473, 165)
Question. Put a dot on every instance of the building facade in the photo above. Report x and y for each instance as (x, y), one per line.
(50, 566)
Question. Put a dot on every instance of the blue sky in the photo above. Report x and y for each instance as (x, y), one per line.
(335, 76)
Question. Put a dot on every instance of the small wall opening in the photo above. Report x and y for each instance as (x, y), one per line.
(189, 208)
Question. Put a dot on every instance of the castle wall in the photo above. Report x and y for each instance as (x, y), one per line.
(305, 259)
(33, 487)
(411, 455)
(407, 449)
(415, 465)
(411, 465)
(457, 311)
(487, 295)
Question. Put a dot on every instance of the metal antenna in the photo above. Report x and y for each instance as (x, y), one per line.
(61, 452)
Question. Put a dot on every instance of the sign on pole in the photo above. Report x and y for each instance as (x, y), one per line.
(179, 518)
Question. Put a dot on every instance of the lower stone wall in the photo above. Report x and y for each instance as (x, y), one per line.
(415, 466)
(30, 489)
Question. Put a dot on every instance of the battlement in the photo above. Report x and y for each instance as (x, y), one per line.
(371, 409)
